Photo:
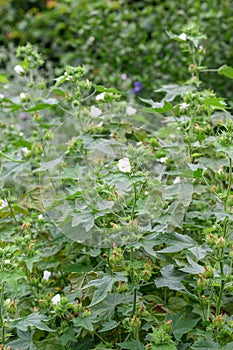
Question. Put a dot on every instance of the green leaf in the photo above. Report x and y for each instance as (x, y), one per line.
(8, 157)
(226, 70)
(160, 107)
(205, 344)
(108, 326)
(171, 278)
(103, 285)
(106, 308)
(3, 79)
(181, 326)
(131, 345)
(32, 199)
(219, 103)
(34, 320)
(51, 164)
(30, 261)
(49, 343)
(24, 342)
(85, 220)
(173, 90)
(11, 278)
(86, 322)
(50, 104)
(67, 337)
(100, 88)
(192, 268)
(60, 80)
(164, 347)
(229, 346)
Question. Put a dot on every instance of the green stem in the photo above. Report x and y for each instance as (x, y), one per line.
(229, 184)
(134, 301)
(2, 326)
(134, 201)
(218, 307)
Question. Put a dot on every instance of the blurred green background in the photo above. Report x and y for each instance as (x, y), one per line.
(122, 41)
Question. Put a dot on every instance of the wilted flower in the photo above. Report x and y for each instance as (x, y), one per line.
(95, 112)
(182, 36)
(56, 299)
(46, 277)
(124, 165)
(19, 69)
(100, 96)
(130, 111)
(137, 87)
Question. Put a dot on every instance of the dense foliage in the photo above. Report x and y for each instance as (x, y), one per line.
(113, 38)
(115, 209)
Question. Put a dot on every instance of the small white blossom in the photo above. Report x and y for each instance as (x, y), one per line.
(68, 77)
(1, 96)
(176, 180)
(56, 299)
(163, 159)
(100, 96)
(22, 96)
(46, 277)
(130, 111)
(7, 261)
(95, 112)
(124, 76)
(40, 217)
(3, 203)
(183, 106)
(124, 165)
(19, 69)
(25, 151)
(182, 36)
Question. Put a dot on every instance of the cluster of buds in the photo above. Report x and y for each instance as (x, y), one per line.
(117, 255)
(218, 321)
(147, 272)
(31, 58)
(213, 240)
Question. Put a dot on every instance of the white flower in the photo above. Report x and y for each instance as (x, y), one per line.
(56, 299)
(182, 36)
(176, 180)
(7, 261)
(25, 151)
(19, 69)
(3, 203)
(40, 217)
(163, 160)
(22, 96)
(95, 112)
(1, 96)
(130, 111)
(46, 276)
(124, 165)
(100, 96)
(183, 106)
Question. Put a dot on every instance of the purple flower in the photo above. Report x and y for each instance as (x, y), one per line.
(124, 76)
(137, 87)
